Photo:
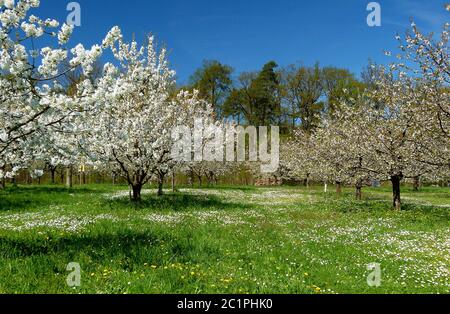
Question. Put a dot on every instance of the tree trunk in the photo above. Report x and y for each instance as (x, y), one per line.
(82, 178)
(173, 182)
(200, 181)
(3, 180)
(160, 186)
(338, 188)
(69, 177)
(358, 191)
(396, 180)
(416, 184)
(136, 195)
(52, 175)
(325, 187)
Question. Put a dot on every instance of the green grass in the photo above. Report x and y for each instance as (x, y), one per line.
(223, 240)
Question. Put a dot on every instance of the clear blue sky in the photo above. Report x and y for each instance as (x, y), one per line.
(247, 33)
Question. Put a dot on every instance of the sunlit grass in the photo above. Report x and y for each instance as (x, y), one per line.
(223, 240)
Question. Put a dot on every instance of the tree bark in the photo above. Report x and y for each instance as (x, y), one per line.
(358, 191)
(325, 187)
(82, 178)
(173, 182)
(160, 186)
(416, 184)
(397, 202)
(338, 188)
(191, 178)
(69, 177)
(3, 180)
(52, 175)
(136, 195)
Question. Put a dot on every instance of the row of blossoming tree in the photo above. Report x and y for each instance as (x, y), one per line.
(397, 129)
(122, 119)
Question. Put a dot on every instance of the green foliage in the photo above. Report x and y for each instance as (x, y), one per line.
(257, 101)
(213, 81)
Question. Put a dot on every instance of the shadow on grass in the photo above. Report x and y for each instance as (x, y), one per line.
(434, 211)
(49, 189)
(176, 202)
(378, 205)
(127, 248)
(227, 188)
(29, 197)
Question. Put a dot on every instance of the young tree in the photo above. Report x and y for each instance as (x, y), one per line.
(426, 58)
(133, 113)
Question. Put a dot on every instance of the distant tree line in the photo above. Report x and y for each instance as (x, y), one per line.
(295, 96)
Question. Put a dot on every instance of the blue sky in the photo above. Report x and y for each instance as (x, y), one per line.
(247, 33)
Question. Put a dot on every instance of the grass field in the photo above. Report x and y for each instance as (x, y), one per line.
(223, 240)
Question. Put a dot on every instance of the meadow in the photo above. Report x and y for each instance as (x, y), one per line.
(223, 240)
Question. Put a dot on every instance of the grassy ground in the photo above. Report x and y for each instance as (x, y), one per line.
(227, 240)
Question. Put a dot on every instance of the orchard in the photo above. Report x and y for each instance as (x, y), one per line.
(288, 179)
